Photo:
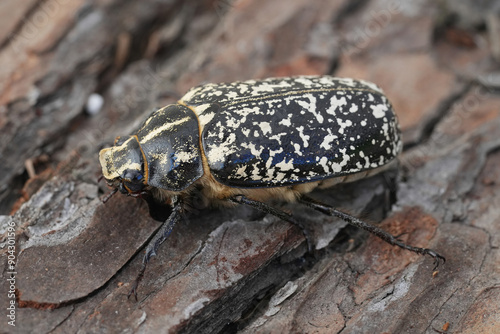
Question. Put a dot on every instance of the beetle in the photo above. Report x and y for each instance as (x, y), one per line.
(248, 142)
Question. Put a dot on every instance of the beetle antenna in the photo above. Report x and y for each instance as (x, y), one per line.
(99, 179)
(108, 196)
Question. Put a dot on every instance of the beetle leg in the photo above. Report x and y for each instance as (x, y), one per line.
(240, 199)
(108, 196)
(155, 243)
(387, 237)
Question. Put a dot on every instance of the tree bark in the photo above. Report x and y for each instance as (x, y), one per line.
(234, 270)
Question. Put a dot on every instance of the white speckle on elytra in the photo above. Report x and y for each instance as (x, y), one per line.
(343, 124)
(243, 89)
(305, 81)
(255, 173)
(243, 112)
(232, 123)
(284, 165)
(305, 138)
(269, 174)
(265, 127)
(297, 149)
(286, 121)
(230, 139)
(337, 167)
(324, 163)
(232, 95)
(280, 176)
(240, 172)
(269, 162)
(367, 163)
(277, 137)
(385, 128)
(311, 107)
(256, 152)
(336, 104)
(326, 144)
(217, 154)
(379, 110)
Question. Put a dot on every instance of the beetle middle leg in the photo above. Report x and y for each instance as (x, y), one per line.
(240, 199)
(387, 237)
(155, 243)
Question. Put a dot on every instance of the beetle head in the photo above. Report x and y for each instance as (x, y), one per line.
(123, 167)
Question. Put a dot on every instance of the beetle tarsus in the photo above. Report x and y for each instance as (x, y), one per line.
(136, 282)
(387, 237)
(155, 243)
(240, 199)
(423, 251)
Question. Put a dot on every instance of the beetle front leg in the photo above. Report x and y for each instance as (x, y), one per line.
(240, 199)
(155, 243)
(387, 237)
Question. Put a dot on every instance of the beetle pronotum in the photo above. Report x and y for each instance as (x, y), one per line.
(252, 141)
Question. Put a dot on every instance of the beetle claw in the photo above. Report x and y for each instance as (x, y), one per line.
(436, 256)
(387, 237)
(133, 291)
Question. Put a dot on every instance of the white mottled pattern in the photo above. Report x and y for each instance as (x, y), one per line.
(280, 131)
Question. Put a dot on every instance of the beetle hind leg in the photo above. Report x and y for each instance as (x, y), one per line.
(387, 237)
(261, 206)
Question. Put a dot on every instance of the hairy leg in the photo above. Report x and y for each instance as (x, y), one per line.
(387, 237)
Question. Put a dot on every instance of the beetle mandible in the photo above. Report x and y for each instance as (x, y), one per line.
(252, 141)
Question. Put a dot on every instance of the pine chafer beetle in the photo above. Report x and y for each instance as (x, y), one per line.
(252, 141)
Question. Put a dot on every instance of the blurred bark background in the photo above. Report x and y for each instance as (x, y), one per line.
(234, 270)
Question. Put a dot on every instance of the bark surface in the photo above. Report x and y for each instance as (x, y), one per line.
(234, 270)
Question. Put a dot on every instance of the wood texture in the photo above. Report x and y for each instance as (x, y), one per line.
(234, 270)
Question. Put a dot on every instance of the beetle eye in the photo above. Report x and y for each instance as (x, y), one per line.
(133, 176)
(132, 180)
